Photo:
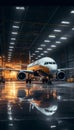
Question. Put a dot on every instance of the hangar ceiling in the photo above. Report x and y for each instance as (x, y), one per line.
(34, 30)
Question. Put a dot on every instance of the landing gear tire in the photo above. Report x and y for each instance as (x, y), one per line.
(28, 81)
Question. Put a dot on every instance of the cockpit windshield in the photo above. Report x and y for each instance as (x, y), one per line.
(49, 63)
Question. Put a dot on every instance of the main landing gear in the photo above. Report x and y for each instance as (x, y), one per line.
(28, 81)
(47, 80)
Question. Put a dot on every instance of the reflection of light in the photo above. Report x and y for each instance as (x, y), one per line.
(10, 118)
(59, 97)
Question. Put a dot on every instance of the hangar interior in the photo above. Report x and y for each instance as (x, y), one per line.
(31, 32)
(28, 34)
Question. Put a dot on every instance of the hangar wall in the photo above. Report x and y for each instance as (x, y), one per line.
(64, 56)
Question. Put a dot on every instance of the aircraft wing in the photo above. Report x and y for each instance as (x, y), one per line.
(66, 69)
(11, 69)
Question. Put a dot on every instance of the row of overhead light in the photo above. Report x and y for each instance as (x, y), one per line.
(13, 35)
(49, 41)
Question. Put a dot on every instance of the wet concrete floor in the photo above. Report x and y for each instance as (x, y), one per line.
(36, 106)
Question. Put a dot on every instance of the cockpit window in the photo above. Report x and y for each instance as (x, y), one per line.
(49, 63)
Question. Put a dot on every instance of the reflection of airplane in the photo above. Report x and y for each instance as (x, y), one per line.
(49, 110)
(45, 66)
(43, 101)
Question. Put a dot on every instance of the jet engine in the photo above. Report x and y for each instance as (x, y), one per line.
(21, 76)
(61, 75)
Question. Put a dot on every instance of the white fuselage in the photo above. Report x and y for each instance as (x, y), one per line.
(46, 62)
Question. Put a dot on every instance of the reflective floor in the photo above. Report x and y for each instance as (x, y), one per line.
(36, 106)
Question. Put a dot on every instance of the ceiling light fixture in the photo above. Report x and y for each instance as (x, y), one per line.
(65, 22)
(52, 36)
(57, 30)
(11, 46)
(47, 41)
(72, 12)
(20, 8)
(13, 38)
(45, 51)
(58, 42)
(15, 26)
(43, 45)
(49, 49)
(53, 46)
(40, 48)
(36, 51)
(14, 32)
(12, 43)
(63, 38)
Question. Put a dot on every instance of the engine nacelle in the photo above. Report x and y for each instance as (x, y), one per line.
(21, 76)
(61, 75)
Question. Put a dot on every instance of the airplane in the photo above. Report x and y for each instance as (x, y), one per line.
(45, 66)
